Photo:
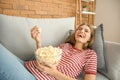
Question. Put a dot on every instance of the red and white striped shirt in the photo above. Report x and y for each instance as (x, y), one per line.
(72, 63)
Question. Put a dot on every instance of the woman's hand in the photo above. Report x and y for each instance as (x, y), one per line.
(35, 33)
(47, 68)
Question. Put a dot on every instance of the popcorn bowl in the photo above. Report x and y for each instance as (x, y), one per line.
(50, 55)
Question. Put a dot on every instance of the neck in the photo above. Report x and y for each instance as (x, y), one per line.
(79, 46)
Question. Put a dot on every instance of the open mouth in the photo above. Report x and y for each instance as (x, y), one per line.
(81, 36)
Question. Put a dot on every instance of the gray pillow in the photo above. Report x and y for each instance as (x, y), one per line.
(99, 48)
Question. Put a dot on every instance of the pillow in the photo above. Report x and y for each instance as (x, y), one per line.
(15, 33)
(99, 48)
(10, 65)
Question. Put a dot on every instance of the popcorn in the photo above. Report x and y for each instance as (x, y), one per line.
(50, 55)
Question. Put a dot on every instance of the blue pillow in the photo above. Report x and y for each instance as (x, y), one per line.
(11, 67)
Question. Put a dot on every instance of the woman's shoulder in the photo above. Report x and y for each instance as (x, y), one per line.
(90, 52)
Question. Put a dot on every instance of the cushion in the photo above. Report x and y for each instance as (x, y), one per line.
(15, 33)
(113, 59)
(11, 67)
(99, 47)
(101, 77)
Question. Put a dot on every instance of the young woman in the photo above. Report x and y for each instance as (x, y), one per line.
(77, 56)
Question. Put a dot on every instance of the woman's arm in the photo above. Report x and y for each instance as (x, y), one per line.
(38, 44)
(60, 76)
(35, 34)
(90, 77)
(50, 69)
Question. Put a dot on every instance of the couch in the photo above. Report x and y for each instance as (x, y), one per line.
(15, 36)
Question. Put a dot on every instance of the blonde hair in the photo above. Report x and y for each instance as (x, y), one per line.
(72, 41)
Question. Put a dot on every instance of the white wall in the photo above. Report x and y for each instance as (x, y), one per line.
(108, 13)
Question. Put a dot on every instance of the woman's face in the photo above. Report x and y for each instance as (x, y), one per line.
(83, 34)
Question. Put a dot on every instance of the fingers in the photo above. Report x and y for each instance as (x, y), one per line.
(36, 28)
(48, 65)
(45, 68)
(35, 32)
(40, 66)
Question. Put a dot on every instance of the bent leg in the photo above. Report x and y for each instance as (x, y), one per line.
(11, 67)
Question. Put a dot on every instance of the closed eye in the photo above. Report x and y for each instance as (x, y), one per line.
(86, 30)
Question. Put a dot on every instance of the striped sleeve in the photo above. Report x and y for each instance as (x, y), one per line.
(91, 62)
